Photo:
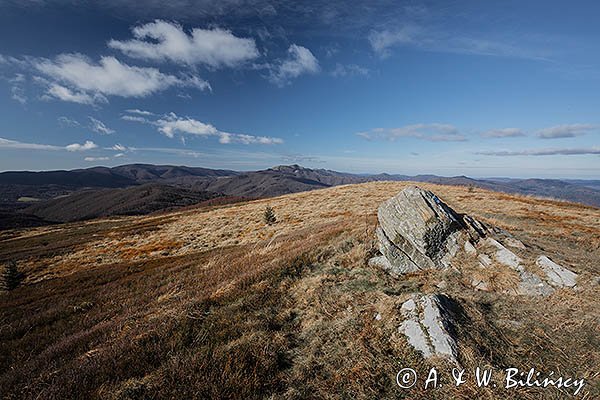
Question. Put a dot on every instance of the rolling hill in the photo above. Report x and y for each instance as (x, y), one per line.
(181, 186)
(136, 200)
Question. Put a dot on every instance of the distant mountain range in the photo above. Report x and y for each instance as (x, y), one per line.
(35, 198)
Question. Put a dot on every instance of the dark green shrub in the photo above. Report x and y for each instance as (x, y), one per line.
(269, 216)
(10, 277)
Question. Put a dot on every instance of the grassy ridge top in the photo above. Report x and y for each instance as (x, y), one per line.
(213, 302)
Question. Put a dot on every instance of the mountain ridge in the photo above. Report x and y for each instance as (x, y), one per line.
(181, 185)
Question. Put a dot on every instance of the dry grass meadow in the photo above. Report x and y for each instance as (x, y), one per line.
(212, 302)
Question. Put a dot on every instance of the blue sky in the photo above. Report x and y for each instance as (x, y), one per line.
(449, 88)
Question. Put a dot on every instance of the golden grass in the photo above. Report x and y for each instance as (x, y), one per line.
(240, 224)
(213, 303)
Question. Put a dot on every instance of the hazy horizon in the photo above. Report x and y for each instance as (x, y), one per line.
(300, 165)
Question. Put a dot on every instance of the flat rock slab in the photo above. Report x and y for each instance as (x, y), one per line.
(557, 275)
(532, 285)
(427, 325)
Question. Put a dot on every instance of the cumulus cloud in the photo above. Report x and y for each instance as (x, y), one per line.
(88, 145)
(543, 152)
(99, 127)
(565, 131)
(299, 61)
(167, 41)
(172, 124)
(429, 132)
(503, 133)
(342, 70)
(59, 92)
(76, 78)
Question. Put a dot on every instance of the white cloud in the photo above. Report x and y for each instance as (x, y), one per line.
(171, 124)
(56, 91)
(299, 61)
(429, 132)
(119, 147)
(434, 39)
(88, 145)
(67, 122)
(99, 127)
(90, 159)
(134, 118)
(382, 41)
(17, 92)
(349, 70)
(565, 131)
(167, 41)
(76, 78)
(503, 133)
(13, 144)
(139, 112)
(544, 152)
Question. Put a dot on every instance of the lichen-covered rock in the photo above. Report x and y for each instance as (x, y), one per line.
(428, 324)
(533, 285)
(418, 231)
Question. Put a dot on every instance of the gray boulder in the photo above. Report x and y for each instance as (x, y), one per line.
(418, 231)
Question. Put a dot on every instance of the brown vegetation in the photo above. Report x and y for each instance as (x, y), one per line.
(213, 303)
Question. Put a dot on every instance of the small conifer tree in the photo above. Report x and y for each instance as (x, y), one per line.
(10, 277)
(269, 216)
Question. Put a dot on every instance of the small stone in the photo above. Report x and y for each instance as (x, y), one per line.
(469, 248)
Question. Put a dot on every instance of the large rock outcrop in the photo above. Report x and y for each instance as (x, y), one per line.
(419, 231)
